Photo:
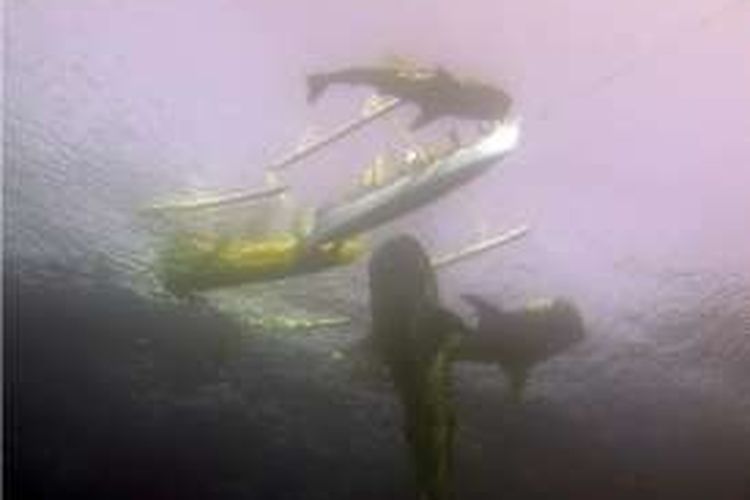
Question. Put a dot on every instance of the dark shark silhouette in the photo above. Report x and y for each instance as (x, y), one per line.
(437, 93)
(408, 322)
(519, 340)
(415, 338)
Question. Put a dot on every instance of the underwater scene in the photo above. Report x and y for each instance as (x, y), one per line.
(431, 250)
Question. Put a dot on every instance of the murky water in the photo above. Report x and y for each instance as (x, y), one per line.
(630, 175)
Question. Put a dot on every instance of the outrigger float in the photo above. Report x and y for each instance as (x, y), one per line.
(192, 260)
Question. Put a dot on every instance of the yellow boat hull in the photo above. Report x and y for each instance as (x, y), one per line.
(195, 262)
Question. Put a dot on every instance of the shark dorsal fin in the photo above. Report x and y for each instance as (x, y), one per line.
(401, 62)
(484, 309)
(408, 67)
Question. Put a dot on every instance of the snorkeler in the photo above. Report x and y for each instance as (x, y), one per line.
(436, 92)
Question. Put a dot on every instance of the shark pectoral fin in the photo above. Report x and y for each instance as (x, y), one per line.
(472, 299)
(424, 118)
(484, 309)
(517, 380)
(443, 74)
(316, 85)
(451, 323)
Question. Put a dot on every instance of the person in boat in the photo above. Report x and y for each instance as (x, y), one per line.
(389, 166)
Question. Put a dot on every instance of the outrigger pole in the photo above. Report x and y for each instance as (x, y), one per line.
(221, 200)
(216, 200)
(339, 133)
(482, 246)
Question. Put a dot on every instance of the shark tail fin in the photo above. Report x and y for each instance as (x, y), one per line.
(316, 85)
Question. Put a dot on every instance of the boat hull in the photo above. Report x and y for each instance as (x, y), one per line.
(411, 192)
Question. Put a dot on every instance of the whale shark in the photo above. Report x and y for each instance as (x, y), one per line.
(519, 340)
(436, 92)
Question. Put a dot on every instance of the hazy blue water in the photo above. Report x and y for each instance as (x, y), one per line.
(635, 188)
